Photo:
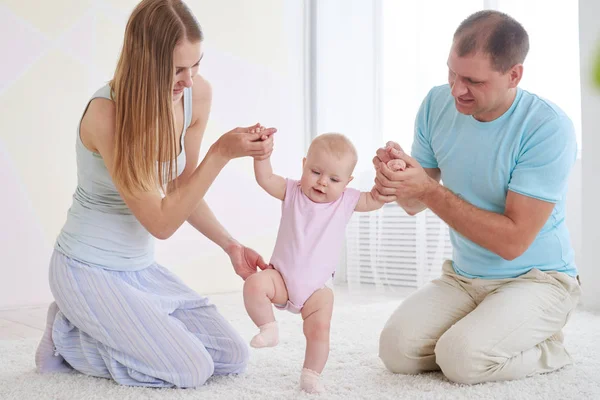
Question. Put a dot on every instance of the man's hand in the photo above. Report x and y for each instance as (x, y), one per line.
(245, 261)
(384, 154)
(413, 183)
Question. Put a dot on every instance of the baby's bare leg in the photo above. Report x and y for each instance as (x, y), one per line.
(260, 290)
(316, 313)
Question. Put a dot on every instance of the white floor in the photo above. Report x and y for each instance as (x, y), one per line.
(353, 371)
(22, 323)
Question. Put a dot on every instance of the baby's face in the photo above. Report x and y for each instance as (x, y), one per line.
(325, 176)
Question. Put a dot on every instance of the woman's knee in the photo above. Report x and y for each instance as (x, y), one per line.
(240, 354)
(232, 354)
(194, 370)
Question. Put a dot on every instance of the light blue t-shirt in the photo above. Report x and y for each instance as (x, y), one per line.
(529, 150)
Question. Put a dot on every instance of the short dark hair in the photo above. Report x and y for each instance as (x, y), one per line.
(493, 33)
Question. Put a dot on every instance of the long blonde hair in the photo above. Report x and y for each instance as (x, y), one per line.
(142, 89)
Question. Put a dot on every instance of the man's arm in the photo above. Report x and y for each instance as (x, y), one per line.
(385, 194)
(507, 235)
(414, 206)
(537, 182)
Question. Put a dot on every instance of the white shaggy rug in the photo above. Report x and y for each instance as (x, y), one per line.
(353, 372)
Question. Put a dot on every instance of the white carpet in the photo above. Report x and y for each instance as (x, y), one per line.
(353, 372)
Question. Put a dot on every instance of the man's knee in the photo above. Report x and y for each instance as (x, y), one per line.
(458, 359)
(398, 353)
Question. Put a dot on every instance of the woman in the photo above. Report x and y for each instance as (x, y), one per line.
(117, 313)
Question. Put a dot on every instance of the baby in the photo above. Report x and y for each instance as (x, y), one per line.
(315, 212)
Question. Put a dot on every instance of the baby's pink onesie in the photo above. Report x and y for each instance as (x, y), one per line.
(309, 241)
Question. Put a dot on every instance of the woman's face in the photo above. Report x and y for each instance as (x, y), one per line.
(186, 60)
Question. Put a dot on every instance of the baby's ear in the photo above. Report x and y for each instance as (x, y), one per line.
(350, 180)
(303, 162)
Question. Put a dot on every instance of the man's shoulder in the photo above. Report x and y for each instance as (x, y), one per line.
(543, 122)
(439, 94)
(541, 109)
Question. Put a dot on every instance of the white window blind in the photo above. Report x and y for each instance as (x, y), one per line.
(390, 248)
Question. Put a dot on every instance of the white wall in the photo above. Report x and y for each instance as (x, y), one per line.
(589, 34)
(56, 54)
(574, 212)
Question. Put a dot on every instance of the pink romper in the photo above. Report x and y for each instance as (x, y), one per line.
(309, 241)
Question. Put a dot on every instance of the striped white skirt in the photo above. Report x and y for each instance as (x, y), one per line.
(140, 328)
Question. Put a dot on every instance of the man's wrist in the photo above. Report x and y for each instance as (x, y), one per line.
(431, 191)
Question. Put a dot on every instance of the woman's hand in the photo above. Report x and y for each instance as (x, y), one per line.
(250, 141)
(245, 260)
(265, 134)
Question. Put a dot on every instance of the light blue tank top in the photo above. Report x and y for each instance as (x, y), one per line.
(101, 230)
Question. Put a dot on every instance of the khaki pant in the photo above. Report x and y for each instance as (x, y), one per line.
(478, 330)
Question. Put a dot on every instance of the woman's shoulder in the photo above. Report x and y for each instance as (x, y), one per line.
(98, 123)
(201, 91)
(201, 100)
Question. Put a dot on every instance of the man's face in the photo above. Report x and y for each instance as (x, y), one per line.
(478, 89)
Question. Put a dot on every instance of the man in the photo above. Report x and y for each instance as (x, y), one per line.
(504, 156)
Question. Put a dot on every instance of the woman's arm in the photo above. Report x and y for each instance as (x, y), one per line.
(163, 216)
(201, 218)
(244, 260)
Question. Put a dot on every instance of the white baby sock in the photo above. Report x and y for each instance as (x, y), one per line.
(267, 337)
(310, 382)
(45, 358)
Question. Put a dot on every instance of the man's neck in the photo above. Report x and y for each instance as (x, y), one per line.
(498, 111)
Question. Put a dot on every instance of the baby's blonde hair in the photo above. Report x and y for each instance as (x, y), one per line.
(336, 144)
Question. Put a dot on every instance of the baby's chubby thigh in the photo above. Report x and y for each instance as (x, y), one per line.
(268, 282)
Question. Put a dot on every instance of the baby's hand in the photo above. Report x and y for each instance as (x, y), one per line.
(396, 165)
(260, 129)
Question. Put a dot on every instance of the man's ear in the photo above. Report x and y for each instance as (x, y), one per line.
(515, 75)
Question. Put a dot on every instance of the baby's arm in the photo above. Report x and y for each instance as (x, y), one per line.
(366, 202)
(273, 184)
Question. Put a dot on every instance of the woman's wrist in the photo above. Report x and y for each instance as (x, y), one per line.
(230, 245)
(215, 153)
